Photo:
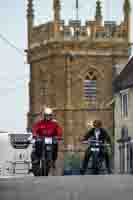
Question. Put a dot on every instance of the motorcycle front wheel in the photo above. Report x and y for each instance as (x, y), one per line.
(96, 163)
(44, 168)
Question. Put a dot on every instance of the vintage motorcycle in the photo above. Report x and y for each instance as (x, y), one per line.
(44, 150)
(96, 148)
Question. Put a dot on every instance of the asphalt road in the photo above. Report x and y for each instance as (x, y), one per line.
(105, 187)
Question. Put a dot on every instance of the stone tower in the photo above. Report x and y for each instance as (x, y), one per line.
(72, 68)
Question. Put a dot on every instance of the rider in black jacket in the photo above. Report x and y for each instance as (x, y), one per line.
(98, 133)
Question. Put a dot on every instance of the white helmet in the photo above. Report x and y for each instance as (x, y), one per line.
(47, 113)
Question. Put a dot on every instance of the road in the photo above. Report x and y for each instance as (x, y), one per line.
(105, 187)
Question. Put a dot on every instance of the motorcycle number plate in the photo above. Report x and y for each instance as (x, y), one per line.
(94, 149)
(48, 140)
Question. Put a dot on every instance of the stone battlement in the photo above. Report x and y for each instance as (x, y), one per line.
(74, 30)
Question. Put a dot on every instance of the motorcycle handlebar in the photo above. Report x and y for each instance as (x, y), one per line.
(31, 141)
(95, 141)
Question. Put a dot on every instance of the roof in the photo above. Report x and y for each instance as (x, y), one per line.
(125, 79)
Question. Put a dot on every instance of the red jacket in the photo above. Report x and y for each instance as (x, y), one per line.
(47, 128)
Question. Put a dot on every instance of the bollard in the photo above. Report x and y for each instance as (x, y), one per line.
(122, 157)
(131, 157)
(128, 147)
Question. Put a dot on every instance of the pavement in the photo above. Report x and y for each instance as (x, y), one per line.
(91, 187)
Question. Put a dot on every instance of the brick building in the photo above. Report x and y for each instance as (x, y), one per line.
(72, 67)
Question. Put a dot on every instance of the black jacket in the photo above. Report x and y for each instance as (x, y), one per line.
(104, 137)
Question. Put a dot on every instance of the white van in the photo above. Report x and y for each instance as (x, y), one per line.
(14, 154)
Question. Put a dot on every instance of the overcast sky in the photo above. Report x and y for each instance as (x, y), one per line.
(14, 74)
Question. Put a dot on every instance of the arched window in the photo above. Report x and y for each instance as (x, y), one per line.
(90, 88)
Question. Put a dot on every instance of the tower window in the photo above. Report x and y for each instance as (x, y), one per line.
(90, 87)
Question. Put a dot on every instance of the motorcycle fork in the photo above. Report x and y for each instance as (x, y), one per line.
(95, 157)
(47, 159)
(43, 160)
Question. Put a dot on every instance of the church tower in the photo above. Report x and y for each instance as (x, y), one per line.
(74, 74)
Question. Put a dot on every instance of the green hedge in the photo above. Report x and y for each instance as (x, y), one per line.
(71, 161)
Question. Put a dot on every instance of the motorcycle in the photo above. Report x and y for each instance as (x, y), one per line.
(44, 149)
(96, 149)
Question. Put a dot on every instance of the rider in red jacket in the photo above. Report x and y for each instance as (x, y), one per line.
(48, 127)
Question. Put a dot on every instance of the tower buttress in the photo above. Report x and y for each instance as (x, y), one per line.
(98, 16)
(127, 16)
(30, 19)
